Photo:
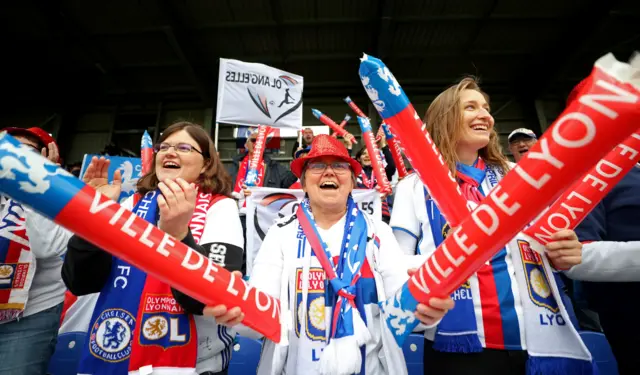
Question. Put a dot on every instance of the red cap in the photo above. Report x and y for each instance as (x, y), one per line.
(39, 133)
(325, 145)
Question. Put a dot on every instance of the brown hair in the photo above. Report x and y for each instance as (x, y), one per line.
(214, 180)
(444, 124)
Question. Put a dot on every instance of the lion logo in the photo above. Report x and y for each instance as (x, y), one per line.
(155, 328)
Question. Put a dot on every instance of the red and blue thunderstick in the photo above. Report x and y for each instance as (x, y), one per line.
(397, 112)
(332, 124)
(375, 156)
(146, 152)
(29, 178)
(396, 151)
(342, 124)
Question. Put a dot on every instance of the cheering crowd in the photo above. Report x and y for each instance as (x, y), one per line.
(330, 264)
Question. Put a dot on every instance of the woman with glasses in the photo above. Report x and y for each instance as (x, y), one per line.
(330, 264)
(138, 320)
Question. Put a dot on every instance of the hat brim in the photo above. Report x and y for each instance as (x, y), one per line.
(298, 165)
(28, 132)
(521, 135)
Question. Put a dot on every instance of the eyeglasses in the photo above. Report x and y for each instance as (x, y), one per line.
(338, 167)
(181, 148)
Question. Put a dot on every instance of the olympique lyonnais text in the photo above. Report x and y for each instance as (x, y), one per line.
(556, 160)
(164, 247)
(573, 206)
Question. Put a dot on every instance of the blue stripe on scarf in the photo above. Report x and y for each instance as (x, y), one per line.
(355, 233)
(449, 334)
(506, 299)
(114, 317)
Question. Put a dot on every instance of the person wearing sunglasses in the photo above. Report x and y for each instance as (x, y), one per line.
(31, 247)
(330, 264)
(187, 194)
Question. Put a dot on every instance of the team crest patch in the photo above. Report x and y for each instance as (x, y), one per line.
(537, 279)
(163, 322)
(110, 336)
(13, 275)
(314, 320)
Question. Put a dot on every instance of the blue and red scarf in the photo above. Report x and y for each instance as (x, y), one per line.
(17, 265)
(137, 322)
(343, 275)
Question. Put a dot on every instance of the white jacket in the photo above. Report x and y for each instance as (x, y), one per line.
(275, 270)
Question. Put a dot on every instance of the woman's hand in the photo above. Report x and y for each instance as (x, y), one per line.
(51, 152)
(245, 190)
(436, 309)
(176, 203)
(564, 251)
(97, 176)
(222, 315)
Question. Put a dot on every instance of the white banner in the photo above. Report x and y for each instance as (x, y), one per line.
(257, 94)
(266, 205)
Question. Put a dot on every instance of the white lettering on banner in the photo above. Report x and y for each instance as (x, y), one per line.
(186, 262)
(601, 165)
(460, 239)
(596, 181)
(191, 261)
(443, 273)
(581, 118)
(230, 287)
(554, 215)
(209, 271)
(622, 96)
(579, 196)
(545, 154)
(628, 150)
(126, 227)
(433, 276)
(166, 240)
(500, 201)
(144, 239)
(536, 184)
(491, 215)
(572, 210)
(117, 215)
(420, 283)
(96, 206)
(454, 261)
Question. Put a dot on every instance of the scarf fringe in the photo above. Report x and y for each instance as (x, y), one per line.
(342, 356)
(560, 366)
(469, 343)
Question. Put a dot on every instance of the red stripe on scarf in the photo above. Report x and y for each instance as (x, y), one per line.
(182, 356)
(489, 301)
(491, 316)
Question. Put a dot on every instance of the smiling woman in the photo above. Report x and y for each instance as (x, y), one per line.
(355, 256)
(493, 324)
(186, 194)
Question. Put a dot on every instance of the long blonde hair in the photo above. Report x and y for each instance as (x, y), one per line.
(444, 123)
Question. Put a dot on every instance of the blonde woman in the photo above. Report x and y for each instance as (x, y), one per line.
(508, 317)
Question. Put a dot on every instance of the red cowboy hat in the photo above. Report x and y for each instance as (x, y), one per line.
(41, 135)
(325, 145)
